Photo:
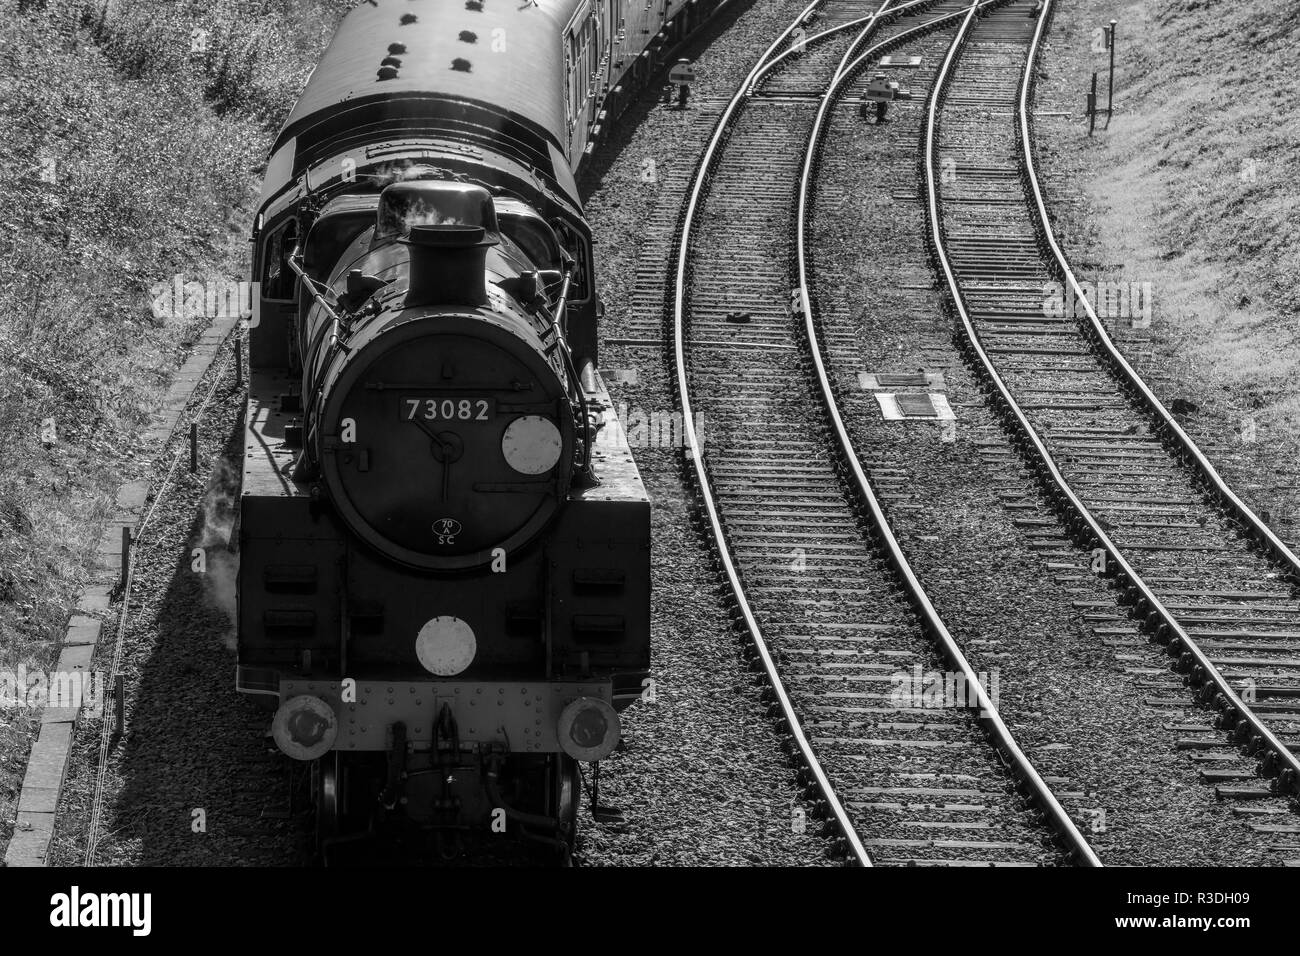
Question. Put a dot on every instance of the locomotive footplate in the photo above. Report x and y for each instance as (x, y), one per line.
(524, 717)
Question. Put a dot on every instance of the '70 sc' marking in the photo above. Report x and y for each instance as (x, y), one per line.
(446, 530)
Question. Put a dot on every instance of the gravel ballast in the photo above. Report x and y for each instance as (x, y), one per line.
(704, 780)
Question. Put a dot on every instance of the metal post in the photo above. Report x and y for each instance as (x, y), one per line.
(1110, 90)
(239, 362)
(1092, 105)
(126, 559)
(119, 705)
(194, 447)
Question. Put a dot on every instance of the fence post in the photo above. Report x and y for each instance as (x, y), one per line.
(1110, 90)
(1092, 105)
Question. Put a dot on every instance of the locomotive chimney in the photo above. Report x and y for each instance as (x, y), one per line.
(447, 228)
(448, 265)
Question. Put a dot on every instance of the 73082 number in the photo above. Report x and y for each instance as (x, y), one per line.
(447, 409)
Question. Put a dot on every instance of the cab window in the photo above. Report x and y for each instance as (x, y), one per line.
(533, 237)
(279, 282)
(576, 245)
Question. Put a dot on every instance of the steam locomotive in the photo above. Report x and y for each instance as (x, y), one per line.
(444, 578)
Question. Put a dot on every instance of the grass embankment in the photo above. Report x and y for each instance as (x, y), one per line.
(1193, 189)
(131, 147)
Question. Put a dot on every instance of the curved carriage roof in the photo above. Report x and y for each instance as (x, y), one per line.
(508, 53)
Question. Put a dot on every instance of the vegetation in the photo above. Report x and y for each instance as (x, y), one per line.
(132, 135)
(1193, 189)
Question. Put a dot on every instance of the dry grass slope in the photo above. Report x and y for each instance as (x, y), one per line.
(1193, 189)
(1223, 116)
(128, 157)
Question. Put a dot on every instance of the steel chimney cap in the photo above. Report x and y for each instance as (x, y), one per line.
(449, 237)
(430, 202)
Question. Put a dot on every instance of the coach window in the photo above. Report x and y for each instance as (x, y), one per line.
(579, 72)
(572, 69)
(279, 282)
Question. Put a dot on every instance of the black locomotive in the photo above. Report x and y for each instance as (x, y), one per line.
(444, 583)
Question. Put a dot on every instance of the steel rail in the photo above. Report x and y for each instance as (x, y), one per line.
(989, 717)
(876, 19)
(1259, 530)
(1185, 446)
(695, 450)
(1249, 729)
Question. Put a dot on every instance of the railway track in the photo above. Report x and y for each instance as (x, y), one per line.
(1195, 566)
(838, 623)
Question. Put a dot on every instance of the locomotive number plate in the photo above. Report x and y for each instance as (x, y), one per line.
(430, 409)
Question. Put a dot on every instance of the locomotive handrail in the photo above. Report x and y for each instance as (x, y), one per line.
(695, 452)
(1139, 592)
(988, 713)
(294, 261)
(560, 314)
(558, 322)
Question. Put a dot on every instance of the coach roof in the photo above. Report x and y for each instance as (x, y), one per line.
(508, 53)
